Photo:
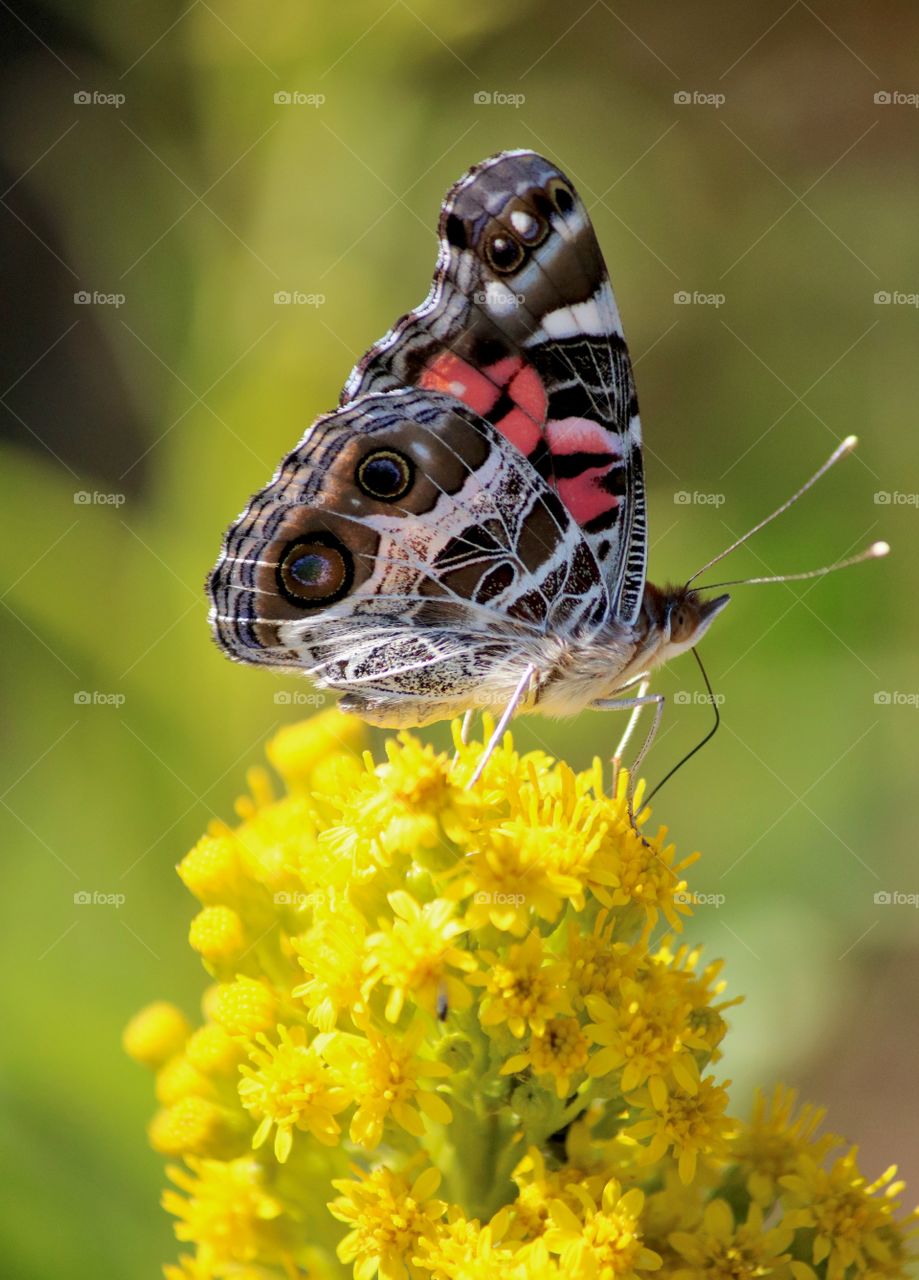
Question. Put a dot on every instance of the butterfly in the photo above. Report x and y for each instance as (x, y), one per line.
(468, 530)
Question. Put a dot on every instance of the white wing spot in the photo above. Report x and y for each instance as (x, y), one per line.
(499, 299)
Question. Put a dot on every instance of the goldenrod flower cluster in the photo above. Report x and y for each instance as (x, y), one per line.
(451, 1035)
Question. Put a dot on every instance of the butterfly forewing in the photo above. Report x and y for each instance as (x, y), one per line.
(522, 326)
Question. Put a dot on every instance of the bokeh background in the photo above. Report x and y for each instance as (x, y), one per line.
(759, 158)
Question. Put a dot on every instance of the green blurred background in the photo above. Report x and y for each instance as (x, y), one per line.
(782, 191)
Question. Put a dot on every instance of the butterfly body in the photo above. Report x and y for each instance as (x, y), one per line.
(467, 530)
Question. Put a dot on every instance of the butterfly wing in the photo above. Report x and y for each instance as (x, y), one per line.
(521, 324)
(406, 554)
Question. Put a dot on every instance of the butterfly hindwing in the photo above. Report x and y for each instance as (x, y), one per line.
(521, 325)
(406, 554)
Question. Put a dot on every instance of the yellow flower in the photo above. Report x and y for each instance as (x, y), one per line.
(648, 1033)
(559, 1051)
(291, 1087)
(388, 1217)
(195, 1126)
(463, 1247)
(409, 974)
(212, 1052)
(413, 954)
(245, 1007)
(539, 858)
(599, 965)
(211, 870)
(308, 753)
(722, 1248)
(228, 1212)
(332, 953)
(850, 1218)
(156, 1034)
(411, 804)
(601, 1242)
(779, 1131)
(386, 1076)
(218, 935)
(538, 1186)
(688, 1124)
(522, 989)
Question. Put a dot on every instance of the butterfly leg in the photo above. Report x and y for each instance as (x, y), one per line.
(629, 728)
(635, 705)
(516, 698)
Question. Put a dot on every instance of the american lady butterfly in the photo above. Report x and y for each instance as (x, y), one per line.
(468, 529)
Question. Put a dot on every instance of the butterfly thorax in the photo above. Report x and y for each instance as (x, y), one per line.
(579, 671)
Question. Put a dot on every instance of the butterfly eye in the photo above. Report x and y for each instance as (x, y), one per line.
(504, 253)
(316, 570)
(561, 194)
(385, 475)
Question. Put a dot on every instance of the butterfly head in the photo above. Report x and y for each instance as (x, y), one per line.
(676, 619)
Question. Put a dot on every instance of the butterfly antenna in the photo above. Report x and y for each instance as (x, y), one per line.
(699, 745)
(874, 552)
(840, 452)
